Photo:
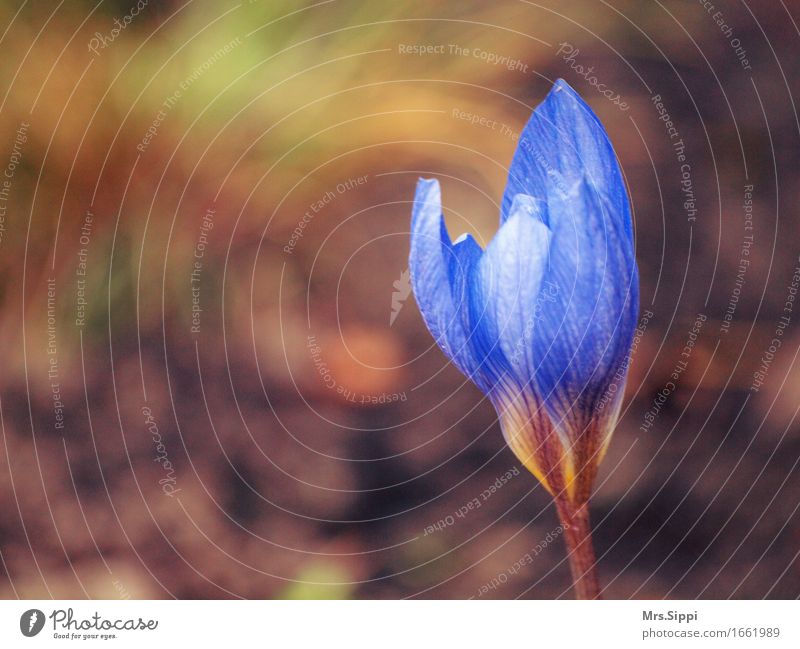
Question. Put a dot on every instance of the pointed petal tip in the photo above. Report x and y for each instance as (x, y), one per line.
(560, 84)
(426, 184)
(466, 244)
(428, 196)
(427, 199)
(529, 206)
(559, 91)
(427, 221)
(524, 202)
(562, 92)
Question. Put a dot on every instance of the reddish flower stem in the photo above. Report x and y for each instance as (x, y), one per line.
(578, 536)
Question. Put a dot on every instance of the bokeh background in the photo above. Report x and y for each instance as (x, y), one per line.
(215, 382)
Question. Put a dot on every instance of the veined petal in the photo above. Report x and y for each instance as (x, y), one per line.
(531, 436)
(566, 160)
(439, 271)
(564, 143)
(505, 287)
(508, 294)
(585, 334)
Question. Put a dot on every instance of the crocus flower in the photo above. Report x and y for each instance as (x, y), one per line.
(543, 319)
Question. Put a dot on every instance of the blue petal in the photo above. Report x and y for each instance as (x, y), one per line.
(562, 144)
(439, 276)
(504, 290)
(586, 332)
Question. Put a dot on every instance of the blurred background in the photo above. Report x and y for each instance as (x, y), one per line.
(215, 380)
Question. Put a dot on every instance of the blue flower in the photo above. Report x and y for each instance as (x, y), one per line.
(543, 319)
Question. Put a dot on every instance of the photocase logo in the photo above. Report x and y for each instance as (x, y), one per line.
(402, 289)
(31, 622)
